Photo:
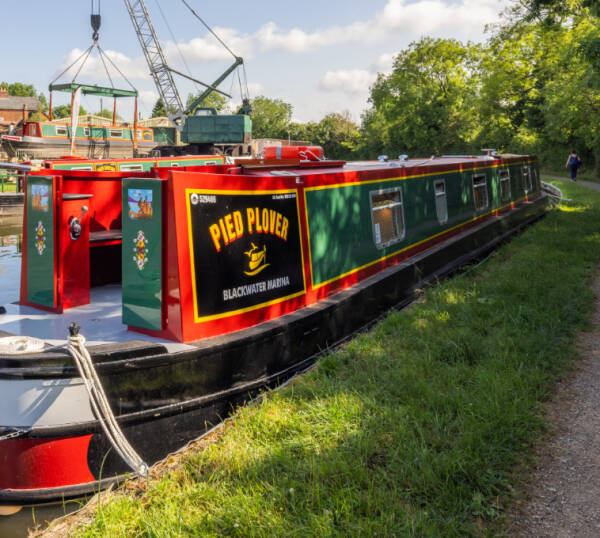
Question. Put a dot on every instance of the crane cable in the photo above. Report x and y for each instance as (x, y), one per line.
(246, 94)
(187, 67)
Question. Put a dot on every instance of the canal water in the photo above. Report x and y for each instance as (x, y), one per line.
(16, 526)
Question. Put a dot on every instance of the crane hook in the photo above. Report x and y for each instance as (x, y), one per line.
(95, 20)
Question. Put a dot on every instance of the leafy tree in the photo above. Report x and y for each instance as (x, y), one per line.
(64, 111)
(214, 100)
(427, 103)
(271, 118)
(336, 133)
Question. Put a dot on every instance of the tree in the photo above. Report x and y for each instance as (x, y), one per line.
(159, 109)
(336, 133)
(426, 105)
(271, 118)
(214, 100)
(64, 111)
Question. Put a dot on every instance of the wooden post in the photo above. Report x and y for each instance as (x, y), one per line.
(135, 124)
(72, 133)
(114, 111)
(50, 112)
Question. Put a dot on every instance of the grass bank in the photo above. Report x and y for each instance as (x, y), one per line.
(414, 428)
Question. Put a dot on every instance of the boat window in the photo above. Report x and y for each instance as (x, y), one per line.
(504, 185)
(533, 174)
(480, 194)
(86, 131)
(131, 167)
(61, 131)
(116, 133)
(526, 182)
(174, 165)
(388, 217)
(206, 163)
(82, 167)
(441, 203)
(147, 135)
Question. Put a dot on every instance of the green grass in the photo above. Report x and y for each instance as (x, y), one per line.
(415, 428)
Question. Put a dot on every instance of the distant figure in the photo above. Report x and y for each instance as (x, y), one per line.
(573, 163)
(11, 128)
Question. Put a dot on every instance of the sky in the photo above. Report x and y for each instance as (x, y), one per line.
(320, 56)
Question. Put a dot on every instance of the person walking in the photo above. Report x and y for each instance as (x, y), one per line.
(573, 163)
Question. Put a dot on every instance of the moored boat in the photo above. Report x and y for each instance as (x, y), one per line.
(51, 140)
(197, 286)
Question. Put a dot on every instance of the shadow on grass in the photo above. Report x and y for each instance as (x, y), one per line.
(414, 428)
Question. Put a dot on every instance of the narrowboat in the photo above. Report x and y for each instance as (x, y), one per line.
(47, 140)
(197, 286)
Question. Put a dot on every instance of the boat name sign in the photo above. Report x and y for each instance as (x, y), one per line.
(246, 250)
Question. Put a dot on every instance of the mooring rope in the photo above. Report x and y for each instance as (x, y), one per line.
(99, 402)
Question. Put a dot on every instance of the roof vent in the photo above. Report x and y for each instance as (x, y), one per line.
(490, 152)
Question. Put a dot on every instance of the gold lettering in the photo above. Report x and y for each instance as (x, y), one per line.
(258, 227)
(251, 219)
(239, 224)
(216, 235)
(230, 228)
(265, 220)
(284, 228)
(224, 231)
(278, 225)
(272, 219)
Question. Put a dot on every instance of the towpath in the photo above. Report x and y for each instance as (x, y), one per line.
(563, 497)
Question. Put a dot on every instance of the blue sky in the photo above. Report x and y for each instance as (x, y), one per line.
(320, 56)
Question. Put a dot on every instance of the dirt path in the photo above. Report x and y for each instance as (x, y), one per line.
(564, 495)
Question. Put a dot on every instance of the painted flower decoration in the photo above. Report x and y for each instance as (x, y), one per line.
(40, 238)
(140, 250)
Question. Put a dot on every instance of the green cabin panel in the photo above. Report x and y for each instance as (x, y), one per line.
(343, 231)
(41, 281)
(142, 253)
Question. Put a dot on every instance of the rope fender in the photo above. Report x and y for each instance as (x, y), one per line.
(99, 402)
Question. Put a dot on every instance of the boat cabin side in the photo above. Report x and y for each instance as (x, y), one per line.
(203, 251)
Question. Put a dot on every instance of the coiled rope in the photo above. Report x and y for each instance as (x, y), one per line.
(99, 402)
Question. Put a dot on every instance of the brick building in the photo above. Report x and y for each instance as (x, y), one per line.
(16, 109)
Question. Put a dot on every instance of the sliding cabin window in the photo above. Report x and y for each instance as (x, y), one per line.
(148, 136)
(86, 131)
(441, 203)
(61, 131)
(480, 194)
(82, 167)
(388, 217)
(131, 167)
(115, 133)
(526, 179)
(504, 185)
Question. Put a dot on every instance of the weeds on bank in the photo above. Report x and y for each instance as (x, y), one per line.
(412, 429)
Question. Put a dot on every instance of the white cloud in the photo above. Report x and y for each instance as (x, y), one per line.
(464, 19)
(384, 64)
(208, 49)
(255, 88)
(348, 81)
(148, 97)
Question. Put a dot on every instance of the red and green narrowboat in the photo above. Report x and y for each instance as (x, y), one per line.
(196, 285)
(47, 140)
